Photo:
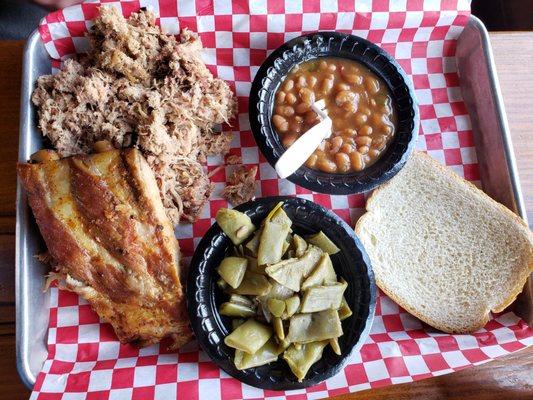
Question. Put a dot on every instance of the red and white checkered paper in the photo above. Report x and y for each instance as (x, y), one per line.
(85, 359)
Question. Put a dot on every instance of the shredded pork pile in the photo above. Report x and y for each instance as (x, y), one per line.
(139, 87)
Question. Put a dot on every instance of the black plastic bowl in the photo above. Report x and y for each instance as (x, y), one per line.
(351, 263)
(334, 44)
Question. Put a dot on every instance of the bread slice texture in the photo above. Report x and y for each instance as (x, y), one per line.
(442, 249)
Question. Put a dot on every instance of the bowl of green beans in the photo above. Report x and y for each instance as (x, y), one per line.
(280, 293)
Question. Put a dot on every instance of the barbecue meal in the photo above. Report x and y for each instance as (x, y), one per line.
(137, 87)
(110, 240)
(283, 292)
(443, 249)
(357, 101)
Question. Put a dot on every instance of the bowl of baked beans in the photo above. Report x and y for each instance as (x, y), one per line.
(367, 95)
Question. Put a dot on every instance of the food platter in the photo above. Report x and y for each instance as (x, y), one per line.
(31, 304)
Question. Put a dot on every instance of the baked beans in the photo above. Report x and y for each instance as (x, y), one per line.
(357, 101)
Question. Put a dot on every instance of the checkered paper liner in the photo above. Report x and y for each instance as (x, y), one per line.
(85, 359)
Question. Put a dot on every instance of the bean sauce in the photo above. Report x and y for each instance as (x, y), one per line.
(357, 101)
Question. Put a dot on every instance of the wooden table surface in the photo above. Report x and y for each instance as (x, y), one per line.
(510, 377)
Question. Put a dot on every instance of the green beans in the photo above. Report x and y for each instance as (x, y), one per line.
(291, 272)
(266, 354)
(334, 343)
(281, 217)
(323, 273)
(291, 306)
(276, 292)
(299, 244)
(319, 298)
(253, 244)
(254, 267)
(249, 337)
(282, 290)
(323, 242)
(285, 247)
(253, 284)
(276, 307)
(271, 243)
(278, 328)
(301, 360)
(236, 225)
(344, 310)
(323, 325)
(236, 310)
(232, 270)
(238, 299)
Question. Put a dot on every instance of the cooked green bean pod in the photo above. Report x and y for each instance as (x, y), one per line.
(318, 298)
(236, 310)
(285, 247)
(281, 217)
(273, 211)
(276, 292)
(344, 310)
(238, 299)
(323, 273)
(253, 244)
(291, 272)
(278, 327)
(271, 243)
(325, 243)
(322, 325)
(237, 225)
(249, 337)
(300, 361)
(253, 285)
(232, 270)
(276, 307)
(283, 344)
(334, 343)
(291, 306)
(254, 267)
(299, 244)
(266, 354)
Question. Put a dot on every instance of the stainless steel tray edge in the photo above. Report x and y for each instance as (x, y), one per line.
(497, 165)
(500, 115)
(32, 305)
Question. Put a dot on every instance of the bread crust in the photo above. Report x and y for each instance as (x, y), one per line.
(517, 288)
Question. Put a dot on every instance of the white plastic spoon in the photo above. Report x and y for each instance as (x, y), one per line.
(298, 153)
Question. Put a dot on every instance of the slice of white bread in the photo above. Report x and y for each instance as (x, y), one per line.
(442, 249)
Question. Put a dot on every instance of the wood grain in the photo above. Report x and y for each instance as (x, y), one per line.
(514, 63)
(509, 377)
(10, 74)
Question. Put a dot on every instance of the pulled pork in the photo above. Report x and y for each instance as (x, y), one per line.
(241, 185)
(139, 87)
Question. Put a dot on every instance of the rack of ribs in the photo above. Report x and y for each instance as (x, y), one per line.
(110, 241)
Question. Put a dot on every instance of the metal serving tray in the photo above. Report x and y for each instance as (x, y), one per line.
(483, 99)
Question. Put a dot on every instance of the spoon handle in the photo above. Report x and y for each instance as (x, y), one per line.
(298, 153)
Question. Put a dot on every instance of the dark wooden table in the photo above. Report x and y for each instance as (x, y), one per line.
(510, 377)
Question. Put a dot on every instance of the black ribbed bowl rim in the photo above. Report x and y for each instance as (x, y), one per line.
(352, 263)
(334, 44)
